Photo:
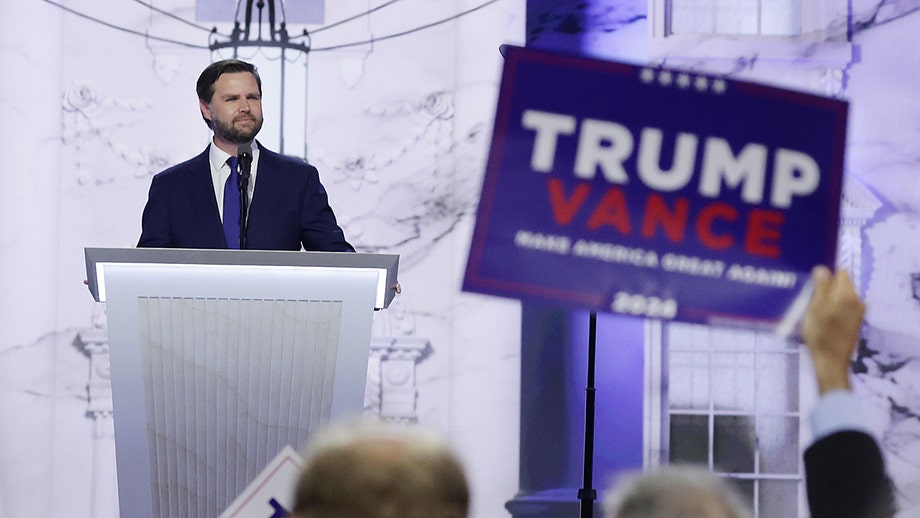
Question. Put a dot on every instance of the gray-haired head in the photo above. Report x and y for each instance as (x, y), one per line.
(674, 491)
(374, 470)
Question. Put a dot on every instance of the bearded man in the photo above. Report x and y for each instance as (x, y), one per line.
(237, 193)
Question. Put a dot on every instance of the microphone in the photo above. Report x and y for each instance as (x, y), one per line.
(244, 156)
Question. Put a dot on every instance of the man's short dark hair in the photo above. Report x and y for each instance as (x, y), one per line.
(209, 76)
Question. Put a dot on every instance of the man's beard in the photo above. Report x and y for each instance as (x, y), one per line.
(229, 133)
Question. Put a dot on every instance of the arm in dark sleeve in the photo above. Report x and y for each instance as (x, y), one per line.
(155, 225)
(319, 230)
(845, 477)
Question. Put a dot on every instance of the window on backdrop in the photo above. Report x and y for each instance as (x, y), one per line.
(734, 17)
(808, 21)
(733, 405)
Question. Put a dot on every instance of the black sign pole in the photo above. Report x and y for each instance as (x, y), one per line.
(588, 494)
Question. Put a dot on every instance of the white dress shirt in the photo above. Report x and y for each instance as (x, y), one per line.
(836, 411)
(220, 171)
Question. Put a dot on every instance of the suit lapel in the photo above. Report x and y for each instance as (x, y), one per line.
(265, 180)
(201, 193)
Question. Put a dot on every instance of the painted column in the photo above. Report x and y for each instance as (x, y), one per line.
(391, 381)
(104, 500)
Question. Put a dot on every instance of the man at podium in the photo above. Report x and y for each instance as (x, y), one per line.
(236, 193)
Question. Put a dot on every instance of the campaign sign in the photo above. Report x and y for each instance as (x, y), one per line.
(656, 192)
(271, 493)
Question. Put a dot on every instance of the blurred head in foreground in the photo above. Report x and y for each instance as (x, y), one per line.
(373, 470)
(674, 492)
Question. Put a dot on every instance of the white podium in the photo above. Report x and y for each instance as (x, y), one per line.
(221, 358)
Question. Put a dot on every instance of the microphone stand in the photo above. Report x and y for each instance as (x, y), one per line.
(245, 160)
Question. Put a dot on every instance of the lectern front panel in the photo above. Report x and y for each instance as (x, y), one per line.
(216, 370)
(228, 383)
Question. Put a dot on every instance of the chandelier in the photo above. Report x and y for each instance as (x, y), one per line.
(260, 37)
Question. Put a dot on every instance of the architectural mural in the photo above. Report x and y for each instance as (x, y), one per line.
(101, 96)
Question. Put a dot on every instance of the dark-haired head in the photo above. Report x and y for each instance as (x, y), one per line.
(209, 75)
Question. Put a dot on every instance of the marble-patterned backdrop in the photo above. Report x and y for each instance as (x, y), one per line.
(884, 155)
(98, 96)
(868, 56)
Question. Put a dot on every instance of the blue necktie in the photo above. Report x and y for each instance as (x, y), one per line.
(232, 205)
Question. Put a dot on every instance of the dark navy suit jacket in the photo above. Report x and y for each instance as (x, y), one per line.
(289, 208)
(845, 478)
